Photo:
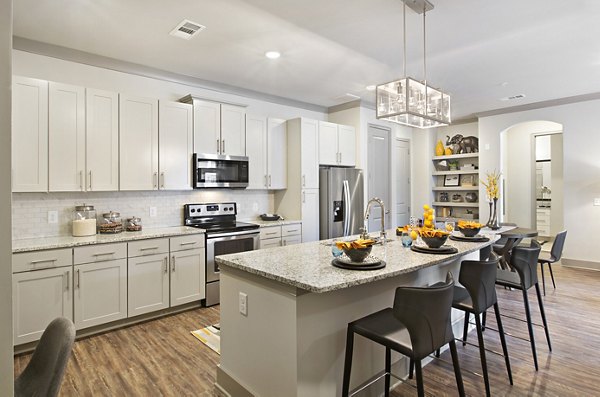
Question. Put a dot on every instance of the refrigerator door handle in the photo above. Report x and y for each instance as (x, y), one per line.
(347, 207)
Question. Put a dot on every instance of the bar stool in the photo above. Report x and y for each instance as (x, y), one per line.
(524, 261)
(416, 326)
(479, 294)
(555, 255)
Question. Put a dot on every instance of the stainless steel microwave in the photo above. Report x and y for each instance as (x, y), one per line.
(216, 171)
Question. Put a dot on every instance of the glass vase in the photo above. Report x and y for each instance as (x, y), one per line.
(493, 222)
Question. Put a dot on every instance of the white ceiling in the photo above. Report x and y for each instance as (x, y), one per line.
(478, 50)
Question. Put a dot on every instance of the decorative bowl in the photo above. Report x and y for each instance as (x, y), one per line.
(357, 254)
(469, 231)
(435, 242)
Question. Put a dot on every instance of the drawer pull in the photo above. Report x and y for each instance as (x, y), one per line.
(189, 243)
(148, 248)
(292, 231)
(271, 234)
(104, 253)
(43, 260)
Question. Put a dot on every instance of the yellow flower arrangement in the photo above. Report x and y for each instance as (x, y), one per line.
(491, 184)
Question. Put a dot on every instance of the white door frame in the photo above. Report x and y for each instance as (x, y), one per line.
(393, 176)
(389, 200)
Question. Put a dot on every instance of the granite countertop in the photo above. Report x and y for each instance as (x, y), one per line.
(280, 222)
(45, 243)
(308, 266)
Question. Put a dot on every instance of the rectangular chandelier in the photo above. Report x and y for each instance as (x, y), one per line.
(412, 103)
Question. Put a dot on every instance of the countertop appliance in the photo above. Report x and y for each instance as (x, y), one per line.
(341, 202)
(224, 235)
(216, 170)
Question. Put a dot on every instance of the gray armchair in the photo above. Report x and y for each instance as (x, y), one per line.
(43, 375)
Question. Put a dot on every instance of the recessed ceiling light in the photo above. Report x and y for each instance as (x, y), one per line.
(272, 54)
(370, 88)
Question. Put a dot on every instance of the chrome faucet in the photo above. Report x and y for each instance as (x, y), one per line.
(377, 200)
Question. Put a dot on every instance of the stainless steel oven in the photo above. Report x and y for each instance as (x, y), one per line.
(214, 171)
(223, 244)
(224, 235)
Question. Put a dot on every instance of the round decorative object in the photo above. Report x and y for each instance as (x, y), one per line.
(471, 197)
(358, 254)
(469, 231)
(435, 242)
(457, 198)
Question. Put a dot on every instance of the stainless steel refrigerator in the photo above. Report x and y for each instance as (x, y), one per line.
(341, 202)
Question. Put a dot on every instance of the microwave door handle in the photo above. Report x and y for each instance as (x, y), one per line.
(347, 207)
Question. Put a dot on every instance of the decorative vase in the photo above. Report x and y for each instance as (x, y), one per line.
(448, 151)
(439, 148)
(493, 221)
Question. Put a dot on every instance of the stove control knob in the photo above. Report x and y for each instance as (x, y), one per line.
(192, 210)
(230, 208)
(225, 209)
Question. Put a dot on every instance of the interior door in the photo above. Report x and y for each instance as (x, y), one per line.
(378, 178)
(402, 168)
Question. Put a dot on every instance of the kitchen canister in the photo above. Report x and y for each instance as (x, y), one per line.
(84, 221)
(110, 223)
(133, 224)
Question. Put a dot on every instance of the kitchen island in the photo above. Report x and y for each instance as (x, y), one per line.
(284, 313)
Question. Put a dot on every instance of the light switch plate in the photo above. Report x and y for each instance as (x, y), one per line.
(152, 212)
(52, 216)
(596, 202)
(243, 304)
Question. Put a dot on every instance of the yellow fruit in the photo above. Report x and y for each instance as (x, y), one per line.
(425, 207)
(414, 234)
(428, 223)
(449, 227)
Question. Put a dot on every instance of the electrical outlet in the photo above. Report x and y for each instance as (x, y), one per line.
(596, 201)
(152, 212)
(255, 207)
(243, 304)
(52, 216)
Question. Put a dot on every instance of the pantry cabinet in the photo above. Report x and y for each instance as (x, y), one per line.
(175, 145)
(99, 284)
(267, 152)
(29, 135)
(337, 144)
(138, 143)
(102, 140)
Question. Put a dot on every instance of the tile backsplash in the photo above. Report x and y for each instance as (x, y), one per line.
(30, 210)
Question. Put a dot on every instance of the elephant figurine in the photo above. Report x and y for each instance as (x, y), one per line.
(460, 144)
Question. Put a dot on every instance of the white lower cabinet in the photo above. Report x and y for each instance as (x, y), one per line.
(270, 242)
(147, 284)
(187, 276)
(100, 293)
(310, 215)
(38, 298)
(277, 236)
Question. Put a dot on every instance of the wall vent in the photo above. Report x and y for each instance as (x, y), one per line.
(187, 29)
(512, 98)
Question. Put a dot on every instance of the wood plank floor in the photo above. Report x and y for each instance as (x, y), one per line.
(162, 358)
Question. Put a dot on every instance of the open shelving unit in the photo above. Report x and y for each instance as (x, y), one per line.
(450, 202)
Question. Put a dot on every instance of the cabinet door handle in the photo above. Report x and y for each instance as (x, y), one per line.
(43, 260)
(66, 276)
(155, 179)
(269, 180)
(266, 183)
(218, 145)
(166, 265)
(104, 253)
(78, 280)
(304, 197)
(340, 157)
(222, 146)
(292, 231)
(189, 243)
(304, 180)
(81, 180)
(90, 181)
(284, 242)
(162, 178)
(148, 248)
(173, 264)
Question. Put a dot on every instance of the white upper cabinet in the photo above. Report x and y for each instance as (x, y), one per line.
(256, 150)
(207, 126)
(102, 140)
(29, 135)
(66, 138)
(233, 130)
(309, 153)
(138, 142)
(277, 153)
(218, 128)
(337, 144)
(175, 145)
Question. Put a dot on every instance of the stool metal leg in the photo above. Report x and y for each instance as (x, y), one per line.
(486, 379)
(348, 361)
(539, 296)
(530, 327)
(543, 279)
(466, 329)
(483, 318)
(503, 341)
(459, 381)
(388, 369)
(419, 370)
(551, 275)
(411, 368)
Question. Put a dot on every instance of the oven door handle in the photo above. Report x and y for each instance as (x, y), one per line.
(224, 236)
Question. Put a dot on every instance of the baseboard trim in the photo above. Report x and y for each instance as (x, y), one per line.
(580, 264)
(228, 386)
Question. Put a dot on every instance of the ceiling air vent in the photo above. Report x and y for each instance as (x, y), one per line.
(512, 98)
(187, 29)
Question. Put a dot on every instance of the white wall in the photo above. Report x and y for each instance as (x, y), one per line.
(518, 171)
(30, 209)
(557, 181)
(6, 349)
(581, 140)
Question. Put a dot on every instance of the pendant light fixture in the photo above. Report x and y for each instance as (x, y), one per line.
(409, 101)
